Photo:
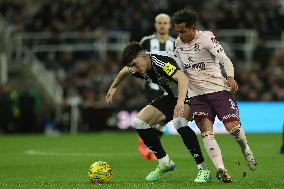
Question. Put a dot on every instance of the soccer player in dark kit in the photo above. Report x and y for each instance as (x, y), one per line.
(163, 69)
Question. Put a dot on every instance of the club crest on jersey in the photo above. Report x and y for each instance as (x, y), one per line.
(169, 68)
(196, 47)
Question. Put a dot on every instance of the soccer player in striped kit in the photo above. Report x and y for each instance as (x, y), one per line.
(162, 68)
(210, 93)
(158, 41)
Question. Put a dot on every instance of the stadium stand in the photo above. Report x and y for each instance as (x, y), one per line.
(78, 43)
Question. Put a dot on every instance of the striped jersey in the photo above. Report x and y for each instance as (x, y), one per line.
(200, 60)
(164, 66)
(152, 44)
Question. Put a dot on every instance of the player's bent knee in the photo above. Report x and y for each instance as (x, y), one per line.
(235, 130)
(231, 120)
(208, 134)
(179, 122)
(140, 124)
(198, 118)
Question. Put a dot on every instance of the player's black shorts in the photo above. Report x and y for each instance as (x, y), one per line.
(166, 104)
(151, 93)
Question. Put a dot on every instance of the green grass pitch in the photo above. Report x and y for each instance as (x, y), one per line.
(36, 161)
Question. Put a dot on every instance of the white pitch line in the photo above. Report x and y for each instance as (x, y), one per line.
(58, 154)
(33, 152)
(43, 153)
(78, 154)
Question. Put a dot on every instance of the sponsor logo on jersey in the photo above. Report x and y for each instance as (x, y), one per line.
(186, 66)
(198, 66)
(169, 68)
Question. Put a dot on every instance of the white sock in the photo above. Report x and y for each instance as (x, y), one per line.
(240, 136)
(202, 166)
(213, 149)
(164, 161)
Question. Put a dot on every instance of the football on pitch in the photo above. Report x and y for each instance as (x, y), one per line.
(100, 172)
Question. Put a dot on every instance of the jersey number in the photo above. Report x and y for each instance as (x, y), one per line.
(233, 106)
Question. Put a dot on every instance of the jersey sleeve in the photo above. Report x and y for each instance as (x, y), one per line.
(165, 65)
(215, 48)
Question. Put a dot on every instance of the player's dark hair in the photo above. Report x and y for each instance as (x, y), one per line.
(185, 16)
(130, 52)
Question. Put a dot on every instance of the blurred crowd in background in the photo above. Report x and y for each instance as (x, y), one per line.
(90, 76)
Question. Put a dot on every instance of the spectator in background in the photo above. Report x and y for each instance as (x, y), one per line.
(90, 111)
(264, 82)
(9, 109)
(275, 73)
(30, 105)
(159, 41)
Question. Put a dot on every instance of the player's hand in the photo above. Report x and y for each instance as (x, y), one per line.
(231, 82)
(109, 95)
(179, 109)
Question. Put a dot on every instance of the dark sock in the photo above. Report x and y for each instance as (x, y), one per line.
(158, 132)
(152, 141)
(191, 142)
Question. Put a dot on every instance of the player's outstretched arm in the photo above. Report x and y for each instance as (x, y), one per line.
(119, 78)
(183, 81)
